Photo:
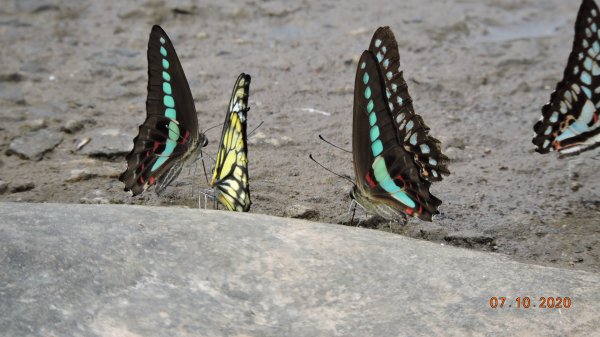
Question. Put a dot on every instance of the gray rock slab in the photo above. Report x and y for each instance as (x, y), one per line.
(116, 270)
(108, 142)
(34, 144)
(12, 93)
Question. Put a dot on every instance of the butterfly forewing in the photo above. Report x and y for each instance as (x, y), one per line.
(385, 171)
(169, 135)
(570, 121)
(412, 131)
(230, 176)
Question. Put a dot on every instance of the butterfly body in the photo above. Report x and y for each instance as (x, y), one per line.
(570, 122)
(230, 176)
(395, 159)
(169, 137)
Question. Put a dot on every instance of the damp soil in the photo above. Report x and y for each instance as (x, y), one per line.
(478, 72)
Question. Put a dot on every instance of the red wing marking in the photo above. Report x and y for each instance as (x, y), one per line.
(370, 180)
(185, 139)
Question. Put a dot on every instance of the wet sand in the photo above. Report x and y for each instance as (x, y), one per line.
(478, 71)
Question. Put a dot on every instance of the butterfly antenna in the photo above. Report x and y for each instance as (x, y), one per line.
(212, 127)
(331, 171)
(330, 143)
(251, 132)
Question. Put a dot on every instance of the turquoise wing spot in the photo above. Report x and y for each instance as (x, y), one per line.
(582, 123)
(374, 133)
(168, 101)
(165, 64)
(366, 78)
(376, 148)
(171, 114)
(425, 148)
(173, 132)
(586, 78)
(163, 51)
(413, 139)
(170, 146)
(370, 105)
(566, 134)
(372, 118)
(167, 88)
(368, 93)
(162, 40)
(166, 76)
(387, 183)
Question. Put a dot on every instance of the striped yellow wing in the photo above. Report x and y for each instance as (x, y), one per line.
(230, 177)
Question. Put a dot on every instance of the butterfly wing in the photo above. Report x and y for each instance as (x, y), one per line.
(412, 130)
(169, 135)
(570, 122)
(230, 177)
(385, 171)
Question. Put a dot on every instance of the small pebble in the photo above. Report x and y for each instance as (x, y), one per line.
(79, 175)
(299, 211)
(22, 187)
(72, 126)
(35, 144)
(35, 124)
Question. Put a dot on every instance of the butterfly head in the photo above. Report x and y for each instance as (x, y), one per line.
(203, 140)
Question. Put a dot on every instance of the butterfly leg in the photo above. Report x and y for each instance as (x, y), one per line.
(194, 180)
(352, 209)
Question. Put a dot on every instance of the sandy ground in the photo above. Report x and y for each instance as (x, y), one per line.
(478, 71)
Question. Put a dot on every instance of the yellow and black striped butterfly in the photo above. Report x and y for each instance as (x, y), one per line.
(395, 158)
(169, 137)
(230, 176)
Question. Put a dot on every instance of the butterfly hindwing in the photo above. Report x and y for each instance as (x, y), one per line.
(385, 171)
(412, 130)
(169, 136)
(230, 176)
(570, 121)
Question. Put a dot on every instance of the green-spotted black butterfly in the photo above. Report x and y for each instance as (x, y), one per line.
(169, 137)
(570, 122)
(395, 158)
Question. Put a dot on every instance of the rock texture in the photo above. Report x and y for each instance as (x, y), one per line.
(108, 143)
(35, 144)
(108, 270)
